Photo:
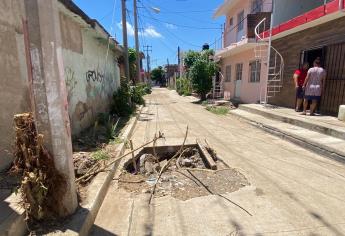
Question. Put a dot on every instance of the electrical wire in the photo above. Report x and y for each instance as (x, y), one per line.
(172, 34)
(183, 26)
(109, 37)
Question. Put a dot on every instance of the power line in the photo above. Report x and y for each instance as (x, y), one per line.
(183, 26)
(175, 36)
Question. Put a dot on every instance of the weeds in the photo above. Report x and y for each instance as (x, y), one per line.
(100, 155)
(218, 110)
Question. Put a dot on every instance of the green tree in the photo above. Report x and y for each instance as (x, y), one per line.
(157, 74)
(190, 58)
(201, 74)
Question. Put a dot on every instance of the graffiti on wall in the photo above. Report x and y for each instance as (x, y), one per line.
(71, 81)
(95, 76)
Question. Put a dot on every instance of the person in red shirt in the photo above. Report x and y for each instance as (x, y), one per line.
(299, 78)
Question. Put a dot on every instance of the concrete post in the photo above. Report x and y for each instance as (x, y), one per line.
(49, 91)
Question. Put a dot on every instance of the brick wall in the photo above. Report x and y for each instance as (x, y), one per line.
(291, 47)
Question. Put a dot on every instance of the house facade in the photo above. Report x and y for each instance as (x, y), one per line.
(316, 32)
(91, 71)
(241, 69)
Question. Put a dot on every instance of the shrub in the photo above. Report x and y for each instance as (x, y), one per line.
(201, 74)
(183, 87)
(126, 97)
(121, 100)
(137, 93)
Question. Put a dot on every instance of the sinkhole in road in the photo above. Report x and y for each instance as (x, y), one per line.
(192, 171)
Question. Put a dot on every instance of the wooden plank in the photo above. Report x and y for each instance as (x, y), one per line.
(206, 156)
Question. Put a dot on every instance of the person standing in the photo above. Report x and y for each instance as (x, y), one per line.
(299, 78)
(313, 86)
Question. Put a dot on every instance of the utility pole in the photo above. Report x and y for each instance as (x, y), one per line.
(125, 40)
(179, 60)
(148, 49)
(48, 89)
(138, 69)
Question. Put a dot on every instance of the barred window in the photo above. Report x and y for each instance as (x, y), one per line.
(228, 73)
(240, 21)
(239, 68)
(254, 71)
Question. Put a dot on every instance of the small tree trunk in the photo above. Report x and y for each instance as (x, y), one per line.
(203, 96)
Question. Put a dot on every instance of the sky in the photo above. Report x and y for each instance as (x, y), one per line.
(185, 23)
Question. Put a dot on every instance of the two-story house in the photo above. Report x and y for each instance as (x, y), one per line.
(241, 70)
(303, 31)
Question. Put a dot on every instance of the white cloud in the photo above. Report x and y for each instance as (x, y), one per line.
(130, 28)
(149, 31)
(170, 26)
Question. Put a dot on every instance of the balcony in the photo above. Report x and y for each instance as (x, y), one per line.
(233, 36)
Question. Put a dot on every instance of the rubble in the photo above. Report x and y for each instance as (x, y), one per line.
(185, 176)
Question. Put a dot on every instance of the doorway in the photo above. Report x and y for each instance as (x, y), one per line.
(311, 54)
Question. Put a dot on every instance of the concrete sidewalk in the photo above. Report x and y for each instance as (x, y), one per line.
(292, 190)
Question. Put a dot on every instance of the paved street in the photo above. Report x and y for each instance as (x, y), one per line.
(292, 191)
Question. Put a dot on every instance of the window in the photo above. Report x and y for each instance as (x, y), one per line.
(239, 68)
(257, 6)
(254, 71)
(231, 21)
(228, 73)
(240, 21)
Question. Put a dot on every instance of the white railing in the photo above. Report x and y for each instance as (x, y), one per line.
(274, 61)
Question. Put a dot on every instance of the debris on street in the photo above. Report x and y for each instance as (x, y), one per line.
(183, 173)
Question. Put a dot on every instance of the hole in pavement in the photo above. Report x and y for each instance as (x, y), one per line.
(186, 177)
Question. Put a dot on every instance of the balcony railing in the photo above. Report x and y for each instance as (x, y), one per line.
(232, 35)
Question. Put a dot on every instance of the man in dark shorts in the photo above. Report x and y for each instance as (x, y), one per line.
(299, 78)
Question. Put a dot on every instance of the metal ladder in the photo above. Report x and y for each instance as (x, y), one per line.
(274, 61)
(218, 87)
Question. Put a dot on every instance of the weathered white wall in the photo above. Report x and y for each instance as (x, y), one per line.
(13, 78)
(91, 77)
(285, 10)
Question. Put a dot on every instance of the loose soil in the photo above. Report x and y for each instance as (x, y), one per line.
(181, 182)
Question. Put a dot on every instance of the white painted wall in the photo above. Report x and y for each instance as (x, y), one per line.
(92, 74)
(88, 97)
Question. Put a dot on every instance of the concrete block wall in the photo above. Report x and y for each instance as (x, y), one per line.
(91, 76)
(13, 79)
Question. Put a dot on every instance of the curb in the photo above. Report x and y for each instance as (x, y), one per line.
(97, 203)
(297, 122)
(312, 146)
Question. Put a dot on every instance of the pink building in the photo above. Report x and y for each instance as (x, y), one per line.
(243, 70)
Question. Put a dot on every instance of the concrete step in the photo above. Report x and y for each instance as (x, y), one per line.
(323, 144)
(12, 216)
(321, 124)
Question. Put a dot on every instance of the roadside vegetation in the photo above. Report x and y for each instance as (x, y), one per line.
(183, 87)
(218, 110)
(200, 70)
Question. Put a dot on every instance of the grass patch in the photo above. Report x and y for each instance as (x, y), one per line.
(218, 110)
(100, 155)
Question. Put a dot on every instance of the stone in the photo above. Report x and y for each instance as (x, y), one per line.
(149, 167)
(186, 162)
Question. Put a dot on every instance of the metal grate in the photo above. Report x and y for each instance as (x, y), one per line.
(334, 92)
